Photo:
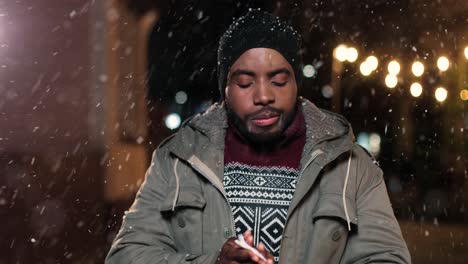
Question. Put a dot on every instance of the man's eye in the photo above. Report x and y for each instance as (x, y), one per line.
(244, 85)
(279, 84)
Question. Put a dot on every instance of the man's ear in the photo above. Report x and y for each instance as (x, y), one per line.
(226, 91)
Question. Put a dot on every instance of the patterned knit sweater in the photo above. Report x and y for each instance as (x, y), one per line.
(260, 184)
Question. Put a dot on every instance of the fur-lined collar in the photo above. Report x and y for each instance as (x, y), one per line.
(321, 124)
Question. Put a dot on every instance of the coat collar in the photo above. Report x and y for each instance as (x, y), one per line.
(212, 123)
(321, 125)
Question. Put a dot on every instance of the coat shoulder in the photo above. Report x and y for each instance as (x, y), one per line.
(368, 170)
(365, 154)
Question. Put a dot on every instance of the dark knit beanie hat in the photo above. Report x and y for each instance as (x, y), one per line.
(258, 29)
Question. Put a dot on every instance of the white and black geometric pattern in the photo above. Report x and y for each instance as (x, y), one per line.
(260, 198)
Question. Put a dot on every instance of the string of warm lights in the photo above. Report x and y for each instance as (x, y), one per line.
(344, 53)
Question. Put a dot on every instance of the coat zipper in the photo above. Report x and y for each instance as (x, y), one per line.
(313, 156)
(202, 168)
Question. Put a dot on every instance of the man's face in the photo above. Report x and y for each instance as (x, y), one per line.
(261, 94)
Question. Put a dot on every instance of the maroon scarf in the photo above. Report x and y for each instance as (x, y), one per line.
(287, 153)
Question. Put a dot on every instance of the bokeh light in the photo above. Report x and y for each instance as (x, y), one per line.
(172, 121)
(441, 94)
(365, 69)
(181, 97)
(327, 91)
(394, 67)
(416, 89)
(351, 54)
(391, 81)
(443, 63)
(341, 52)
(374, 143)
(373, 62)
(363, 140)
(371, 142)
(417, 68)
(309, 71)
(464, 94)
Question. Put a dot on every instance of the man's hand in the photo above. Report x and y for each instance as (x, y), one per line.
(231, 253)
(234, 254)
(260, 247)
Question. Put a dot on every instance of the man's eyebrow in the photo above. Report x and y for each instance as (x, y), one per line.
(242, 72)
(278, 71)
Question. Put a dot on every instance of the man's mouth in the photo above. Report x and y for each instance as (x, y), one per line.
(266, 119)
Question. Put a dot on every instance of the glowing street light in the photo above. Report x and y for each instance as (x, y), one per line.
(443, 63)
(373, 62)
(441, 94)
(365, 69)
(351, 54)
(341, 52)
(394, 67)
(417, 68)
(416, 89)
(391, 81)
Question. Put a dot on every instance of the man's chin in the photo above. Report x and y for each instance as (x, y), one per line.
(264, 138)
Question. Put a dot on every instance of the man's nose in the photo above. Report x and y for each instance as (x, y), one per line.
(263, 94)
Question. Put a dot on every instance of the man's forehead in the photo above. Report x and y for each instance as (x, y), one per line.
(266, 58)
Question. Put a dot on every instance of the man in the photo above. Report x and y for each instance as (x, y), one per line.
(265, 164)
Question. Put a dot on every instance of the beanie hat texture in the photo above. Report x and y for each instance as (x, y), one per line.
(258, 29)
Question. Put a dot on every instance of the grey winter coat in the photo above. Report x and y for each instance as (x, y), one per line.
(340, 212)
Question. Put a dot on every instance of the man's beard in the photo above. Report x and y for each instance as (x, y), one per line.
(262, 139)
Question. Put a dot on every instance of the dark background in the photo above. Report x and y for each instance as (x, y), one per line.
(85, 87)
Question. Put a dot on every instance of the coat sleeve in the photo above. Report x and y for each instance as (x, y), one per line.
(378, 238)
(145, 236)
